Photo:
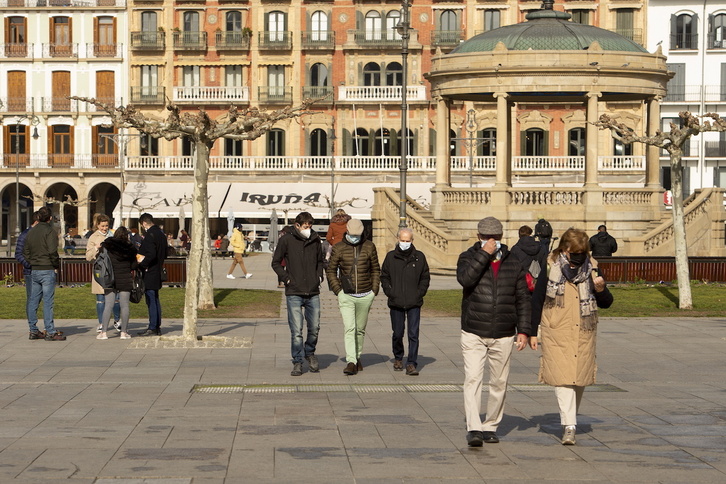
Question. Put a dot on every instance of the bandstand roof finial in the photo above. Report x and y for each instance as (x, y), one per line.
(548, 4)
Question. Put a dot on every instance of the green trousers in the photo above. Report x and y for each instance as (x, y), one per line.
(355, 318)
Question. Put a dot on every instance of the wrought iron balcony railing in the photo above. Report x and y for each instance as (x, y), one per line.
(148, 95)
(215, 94)
(318, 39)
(446, 38)
(190, 40)
(275, 95)
(232, 41)
(275, 40)
(148, 40)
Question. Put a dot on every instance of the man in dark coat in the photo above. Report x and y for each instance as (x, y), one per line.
(27, 275)
(153, 250)
(495, 314)
(405, 279)
(527, 250)
(602, 244)
(298, 263)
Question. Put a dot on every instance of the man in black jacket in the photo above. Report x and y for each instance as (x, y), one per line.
(405, 279)
(602, 244)
(302, 274)
(495, 308)
(153, 253)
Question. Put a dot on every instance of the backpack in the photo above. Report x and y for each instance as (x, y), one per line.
(138, 288)
(103, 270)
(543, 229)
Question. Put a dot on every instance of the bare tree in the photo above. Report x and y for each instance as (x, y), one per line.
(61, 209)
(203, 131)
(673, 142)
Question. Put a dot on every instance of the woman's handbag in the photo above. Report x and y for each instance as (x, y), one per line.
(137, 287)
(164, 276)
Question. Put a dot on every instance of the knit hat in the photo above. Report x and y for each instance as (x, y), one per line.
(490, 226)
(355, 226)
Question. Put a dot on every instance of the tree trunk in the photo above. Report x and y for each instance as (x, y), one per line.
(679, 234)
(196, 270)
(62, 222)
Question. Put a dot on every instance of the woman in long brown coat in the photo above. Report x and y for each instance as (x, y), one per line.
(564, 308)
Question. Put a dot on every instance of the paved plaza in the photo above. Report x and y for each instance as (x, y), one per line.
(109, 412)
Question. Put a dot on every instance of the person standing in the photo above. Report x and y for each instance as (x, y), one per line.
(152, 256)
(528, 250)
(123, 260)
(238, 249)
(602, 244)
(564, 313)
(41, 251)
(298, 263)
(102, 224)
(494, 309)
(405, 280)
(354, 276)
(27, 276)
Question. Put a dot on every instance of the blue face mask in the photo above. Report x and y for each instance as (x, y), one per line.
(404, 245)
(353, 239)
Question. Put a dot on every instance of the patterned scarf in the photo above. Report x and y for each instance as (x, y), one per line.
(560, 273)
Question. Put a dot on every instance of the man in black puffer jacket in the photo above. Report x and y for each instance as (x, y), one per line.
(405, 279)
(495, 307)
(302, 274)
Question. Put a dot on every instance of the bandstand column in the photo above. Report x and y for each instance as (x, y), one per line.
(443, 155)
(652, 153)
(502, 139)
(591, 133)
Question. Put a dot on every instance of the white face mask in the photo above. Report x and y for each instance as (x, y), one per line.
(353, 239)
(305, 233)
(404, 245)
(499, 244)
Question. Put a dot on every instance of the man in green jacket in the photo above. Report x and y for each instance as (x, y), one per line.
(41, 251)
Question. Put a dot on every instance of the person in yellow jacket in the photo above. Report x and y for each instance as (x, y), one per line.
(238, 247)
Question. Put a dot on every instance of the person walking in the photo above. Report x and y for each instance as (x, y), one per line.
(27, 275)
(298, 263)
(123, 260)
(152, 255)
(354, 276)
(405, 280)
(102, 225)
(495, 314)
(602, 244)
(238, 248)
(564, 319)
(41, 251)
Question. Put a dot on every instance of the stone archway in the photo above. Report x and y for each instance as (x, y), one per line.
(15, 208)
(104, 198)
(63, 201)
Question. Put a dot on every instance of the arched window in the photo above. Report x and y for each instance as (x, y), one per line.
(373, 25)
(448, 21)
(534, 143)
(392, 19)
(318, 81)
(409, 145)
(491, 19)
(318, 143)
(487, 142)
(684, 35)
(360, 143)
(233, 21)
(382, 145)
(372, 74)
(394, 74)
(718, 34)
(276, 26)
(576, 146)
(319, 26)
(453, 145)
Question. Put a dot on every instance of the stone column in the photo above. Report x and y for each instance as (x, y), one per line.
(503, 160)
(443, 158)
(591, 137)
(652, 153)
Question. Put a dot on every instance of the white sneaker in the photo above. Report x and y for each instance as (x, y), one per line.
(230, 276)
(125, 336)
(117, 325)
(248, 275)
(101, 335)
(99, 329)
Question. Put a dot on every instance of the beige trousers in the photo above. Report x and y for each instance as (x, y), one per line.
(496, 354)
(568, 399)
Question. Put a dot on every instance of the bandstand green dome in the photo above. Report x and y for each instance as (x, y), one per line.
(548, 30)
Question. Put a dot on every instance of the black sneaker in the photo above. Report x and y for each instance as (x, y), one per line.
(57, 336)
(149, 332)
(296, 369)
(475, 438)
(313, 363)
(36, 335)
(490, 437)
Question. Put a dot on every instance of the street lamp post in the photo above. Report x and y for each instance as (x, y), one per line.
(332, 139)
(121, 140)
(403, 29)
(33, 120)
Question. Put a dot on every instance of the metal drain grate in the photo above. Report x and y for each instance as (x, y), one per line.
(367, 388)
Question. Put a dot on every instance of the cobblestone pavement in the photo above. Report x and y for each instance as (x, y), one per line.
(122, 412)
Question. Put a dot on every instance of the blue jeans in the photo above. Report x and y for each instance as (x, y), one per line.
(152, 301)
(296, 305)
(43, 287)
(101, 306)
(398, 323)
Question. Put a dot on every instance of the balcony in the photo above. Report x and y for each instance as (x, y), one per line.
(621, 163)
(58, 104)
(16, 104)
(275, 95)
(104, 161)
(97, 51)
(148, 95)
(148, 40)
(318, 40)
(715, 42)
(380, 93)
(636, 35)
(380, 39)
(211, 94)
(232, 41)
(684, 41)
(275, 40)
(16, 51)
(446, 38)
(548, 164)
(190, 40)
(715, 149)
(680, 94)
(61, 3)
(323, 93)
(60, 51)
